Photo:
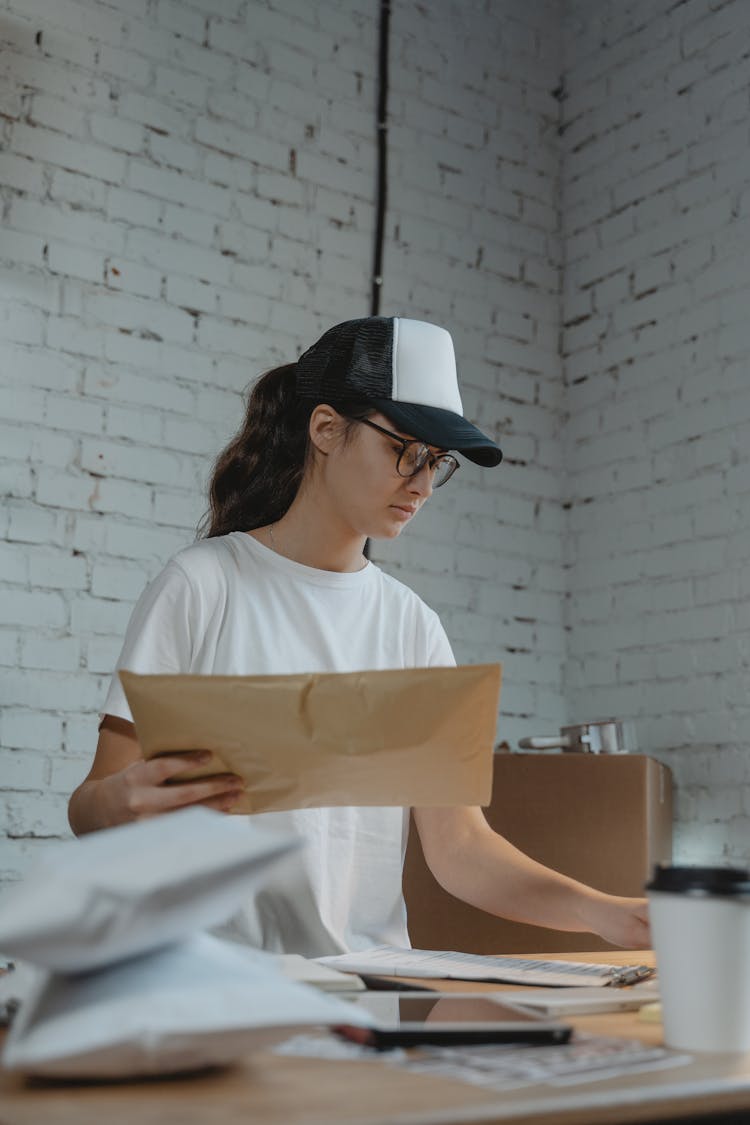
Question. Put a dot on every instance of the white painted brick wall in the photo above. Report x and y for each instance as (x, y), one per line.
(656, 343)
(187, 193)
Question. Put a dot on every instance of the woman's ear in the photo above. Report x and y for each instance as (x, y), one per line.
(325, 428)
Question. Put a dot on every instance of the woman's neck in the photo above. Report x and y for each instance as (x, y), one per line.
(310, 536)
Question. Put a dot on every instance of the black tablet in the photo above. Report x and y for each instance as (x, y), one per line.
(450, 1019)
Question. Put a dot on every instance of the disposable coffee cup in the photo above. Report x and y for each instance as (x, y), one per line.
(700, 926)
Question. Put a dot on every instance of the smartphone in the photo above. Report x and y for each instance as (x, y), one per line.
(449, 1019)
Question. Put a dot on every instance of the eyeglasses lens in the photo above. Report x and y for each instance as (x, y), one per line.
(444, 469)
(415, 457)
(412, 459)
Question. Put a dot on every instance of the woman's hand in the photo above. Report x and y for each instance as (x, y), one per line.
(122, 786)
(622, 921)
(147, 788)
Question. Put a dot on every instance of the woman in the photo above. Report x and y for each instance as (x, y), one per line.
(346, 444)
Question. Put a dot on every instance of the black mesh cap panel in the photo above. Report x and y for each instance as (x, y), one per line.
(353, 359)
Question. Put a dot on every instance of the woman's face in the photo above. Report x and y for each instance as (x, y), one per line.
(365, 490)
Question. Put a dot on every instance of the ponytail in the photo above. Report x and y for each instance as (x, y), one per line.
(256, 478)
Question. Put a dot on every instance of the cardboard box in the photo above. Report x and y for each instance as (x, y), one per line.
(603, 819)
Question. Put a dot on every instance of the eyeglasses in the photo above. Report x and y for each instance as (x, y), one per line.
(415, 455)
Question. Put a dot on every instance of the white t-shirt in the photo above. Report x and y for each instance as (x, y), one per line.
(231, 606)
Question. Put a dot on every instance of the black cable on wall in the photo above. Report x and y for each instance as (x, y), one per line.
(381, 193)
(381, 189)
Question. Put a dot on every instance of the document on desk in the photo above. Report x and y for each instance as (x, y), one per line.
(302, 969)
(582, 1001)
(387, 960)
(586, 1058)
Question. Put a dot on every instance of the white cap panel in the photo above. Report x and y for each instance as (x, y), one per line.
(424, 365)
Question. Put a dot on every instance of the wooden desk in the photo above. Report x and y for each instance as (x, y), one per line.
(268, 1090)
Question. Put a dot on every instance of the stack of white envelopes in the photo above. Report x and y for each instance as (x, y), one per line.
(125, 981)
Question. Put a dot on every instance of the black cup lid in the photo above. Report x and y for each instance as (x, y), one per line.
(700, 880)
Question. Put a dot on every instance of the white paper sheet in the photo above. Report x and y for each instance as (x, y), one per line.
(306, 971)
(584, 1000)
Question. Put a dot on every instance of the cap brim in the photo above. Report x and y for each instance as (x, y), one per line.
(443, 428)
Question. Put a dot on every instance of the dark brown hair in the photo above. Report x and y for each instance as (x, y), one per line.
(255, 479)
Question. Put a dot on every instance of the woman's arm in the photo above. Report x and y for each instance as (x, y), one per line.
(475, 864)
(122, 786)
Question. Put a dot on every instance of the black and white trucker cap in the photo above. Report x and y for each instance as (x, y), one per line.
(406, 369)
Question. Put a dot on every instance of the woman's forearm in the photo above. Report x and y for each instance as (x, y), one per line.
(487, 871)
(476, 864)
(85, 813)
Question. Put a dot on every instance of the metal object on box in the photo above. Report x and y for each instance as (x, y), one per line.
(604, 819)
(605, 736)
